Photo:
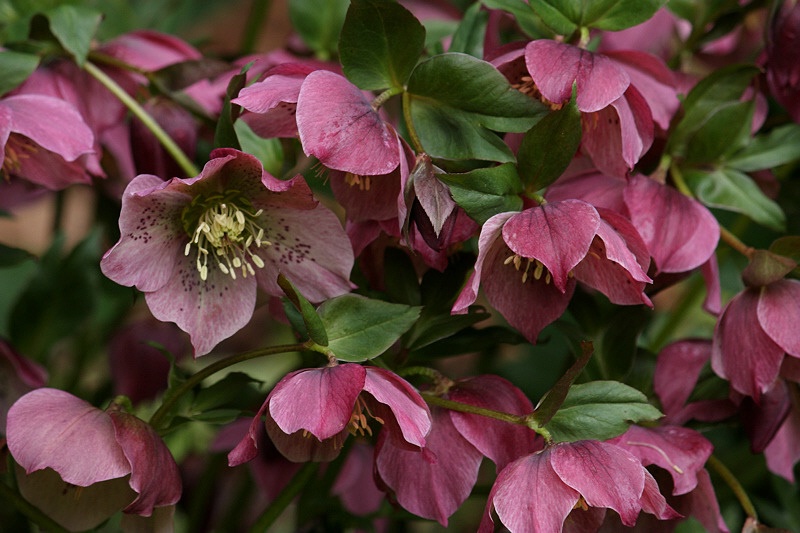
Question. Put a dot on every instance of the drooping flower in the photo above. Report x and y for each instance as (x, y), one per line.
(534, 258)
(43, 139)
(537, 492)
(756, 331)
(310, 412)
(84, 464)
(199, 247)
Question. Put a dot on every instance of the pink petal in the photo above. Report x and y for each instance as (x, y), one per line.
(592, 187)
(784, 452)
(154, 474)
(710, 271)
(528, 495)
(247, 448)
(677, 369)
(44, 167)
(273, 104)
(779, 314)
(150, 50)
(682, 452)
(742, 353)
(435, 481)
(318, 400)
(499, 441)
(761, 421)
(355, 484)
(555, 66)
(52, 123)
(604, 474)
(702, 505)
(409, 409)
(558, 234)
(152, 238)
(653, 501)
(209, 311)
(661, 215)
(5, 131)
(52, 428)
(378, 202)
(338, 126)
(651, 77)
(302, 447)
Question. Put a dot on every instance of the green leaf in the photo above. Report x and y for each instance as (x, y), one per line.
(549, 146)
(725, 131)
(778, 147)
(732, 190)
(468, 38)
(552, 401)
(225, 134)
(718, 90)
(360, 328)
(312, 321)
(528, 20)
(268, 151)
(74, 27)
(380, 44)
(470, 340)
(565, 16)
(554, 18)
(599, 410)
(432, 328)
(485, 192)
(400, 277)
(10, 256)
(458, 101)
(319, 22)
(16, 67)
(625, 14)
(228, 391)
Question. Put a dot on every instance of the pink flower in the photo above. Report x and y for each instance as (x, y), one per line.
(199, 247)
(84, 464)
(755, 332)
(310, 412)
(534, 258)
(43, 139)
(537, 492)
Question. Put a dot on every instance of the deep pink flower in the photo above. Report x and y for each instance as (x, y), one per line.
(537, 492)
(355, 483)
(62, 442)
(310, 412)
(198, 247)
(42, 140)
(783, 451)
(532, 258)
(756, 330)
(783, 59)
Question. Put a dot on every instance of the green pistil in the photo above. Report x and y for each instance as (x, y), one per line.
(225, 227)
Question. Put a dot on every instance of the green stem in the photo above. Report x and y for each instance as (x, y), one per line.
(7, 494)
(166, 141)
(256, 20)
(384, 96)
(412, 132)
(472, 409)
(271, 513)
(730, 480)
(172, 398)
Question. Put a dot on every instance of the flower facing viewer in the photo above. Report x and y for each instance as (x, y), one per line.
(199, 247)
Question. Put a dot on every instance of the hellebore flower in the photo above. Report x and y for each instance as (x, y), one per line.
(198, 247)
(43, 139)
(534, 258)
(84, 464)
(755, 332)
(537, 492)
(310, 412)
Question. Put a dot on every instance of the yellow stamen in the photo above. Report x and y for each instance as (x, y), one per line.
(356, 180)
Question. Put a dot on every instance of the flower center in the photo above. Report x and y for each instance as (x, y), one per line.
(355, 180)
(524, 264)
(224, 226)
(527, 87)
(358, 424)
(17, 149)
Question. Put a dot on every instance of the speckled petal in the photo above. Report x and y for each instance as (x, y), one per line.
(338, 126)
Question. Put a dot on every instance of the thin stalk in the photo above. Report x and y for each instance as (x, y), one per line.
(730, 480)
(158, 417)
(472, 409)
(34, 514)
(166, 141)
(256, 20)
(412, 131)
(271, 513)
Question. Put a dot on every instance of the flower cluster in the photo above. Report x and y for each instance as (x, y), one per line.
(557, 237)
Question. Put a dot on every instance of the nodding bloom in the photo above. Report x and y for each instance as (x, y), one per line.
(199, 247)
(43, 140)
(310, 412)
(533, 258)
(81, 465)
(539, 492)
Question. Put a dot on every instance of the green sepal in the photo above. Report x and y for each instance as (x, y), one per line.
(314, 325)
(468, 38)
(599, 410)
(729, 189)
(16, 67)
(457, 102)
(531, 23)
(485, 192)
(549, 146)
(361, 328)
(74, 28)
(766, 267)
(380, 44)
(225, 134)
